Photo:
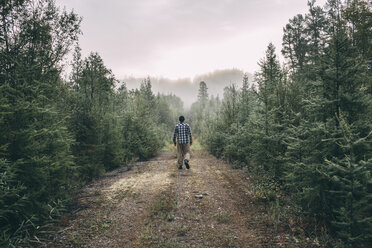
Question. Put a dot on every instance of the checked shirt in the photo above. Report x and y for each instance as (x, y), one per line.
(182, 133)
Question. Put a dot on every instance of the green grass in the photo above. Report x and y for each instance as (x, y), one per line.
(150, 239)
(163, 207)
(223, 218)
(196, 146)
(181, 230)
(168, 148)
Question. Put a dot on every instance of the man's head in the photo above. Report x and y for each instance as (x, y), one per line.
(182, 119)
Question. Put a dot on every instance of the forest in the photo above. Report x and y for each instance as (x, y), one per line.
(303, 128)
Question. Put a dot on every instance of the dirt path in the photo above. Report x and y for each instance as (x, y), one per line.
(156, 205)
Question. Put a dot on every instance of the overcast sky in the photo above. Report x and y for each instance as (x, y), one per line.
(181, 38)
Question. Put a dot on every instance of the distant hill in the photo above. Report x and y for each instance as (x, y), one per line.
(187, 89)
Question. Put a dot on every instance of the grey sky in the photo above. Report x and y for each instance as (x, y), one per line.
(182, 38)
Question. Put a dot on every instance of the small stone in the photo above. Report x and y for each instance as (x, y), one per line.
(199, 196)
(205, 194)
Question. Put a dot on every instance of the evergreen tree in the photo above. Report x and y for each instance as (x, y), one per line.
(338, 89)
(316, 25)
(295, 42)
(357, 14)
(203, 93)
(146, 91)
(245, 101)
(35, 143)
(342, 73)
(199, 112)
(309, 126)
(229, 108)
(350, 177)
(92, 122)
(267, 79)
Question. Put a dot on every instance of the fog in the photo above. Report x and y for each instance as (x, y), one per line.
(181, 38)
(176, 42)
(187, 88)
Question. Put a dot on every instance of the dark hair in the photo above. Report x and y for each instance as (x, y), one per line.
(181, 118)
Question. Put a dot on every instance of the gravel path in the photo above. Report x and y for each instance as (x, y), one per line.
(156, 205)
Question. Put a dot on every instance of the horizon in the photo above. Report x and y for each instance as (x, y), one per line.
(187, 89)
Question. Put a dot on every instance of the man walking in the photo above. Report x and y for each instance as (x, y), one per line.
(182, 132)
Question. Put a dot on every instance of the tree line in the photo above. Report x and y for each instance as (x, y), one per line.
(57, 134)
(305, 126)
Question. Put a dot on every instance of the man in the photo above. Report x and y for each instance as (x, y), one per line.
(182, 133)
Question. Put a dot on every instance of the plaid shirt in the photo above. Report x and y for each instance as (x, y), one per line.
(182, 133)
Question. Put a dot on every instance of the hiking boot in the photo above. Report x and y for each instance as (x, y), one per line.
(187, 164)
(180, 167)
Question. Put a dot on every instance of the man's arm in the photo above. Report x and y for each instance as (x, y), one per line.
(175, 135)
(190, 135)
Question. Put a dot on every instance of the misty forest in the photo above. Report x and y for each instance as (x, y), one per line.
(286, 152)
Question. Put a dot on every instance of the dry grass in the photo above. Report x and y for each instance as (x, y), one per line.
(163, 207)
(154, 205)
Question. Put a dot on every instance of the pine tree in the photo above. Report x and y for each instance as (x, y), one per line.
(200, 113)
(357, 14)
(229, 108)
(146, 91)
(93, 121)
(269, 80)
(244, 103)
(350, 177)
(35, 143)
(295, 42)
(318, 164)
(316, 25)
(203, 93)
(309, 125)
(342, 73)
